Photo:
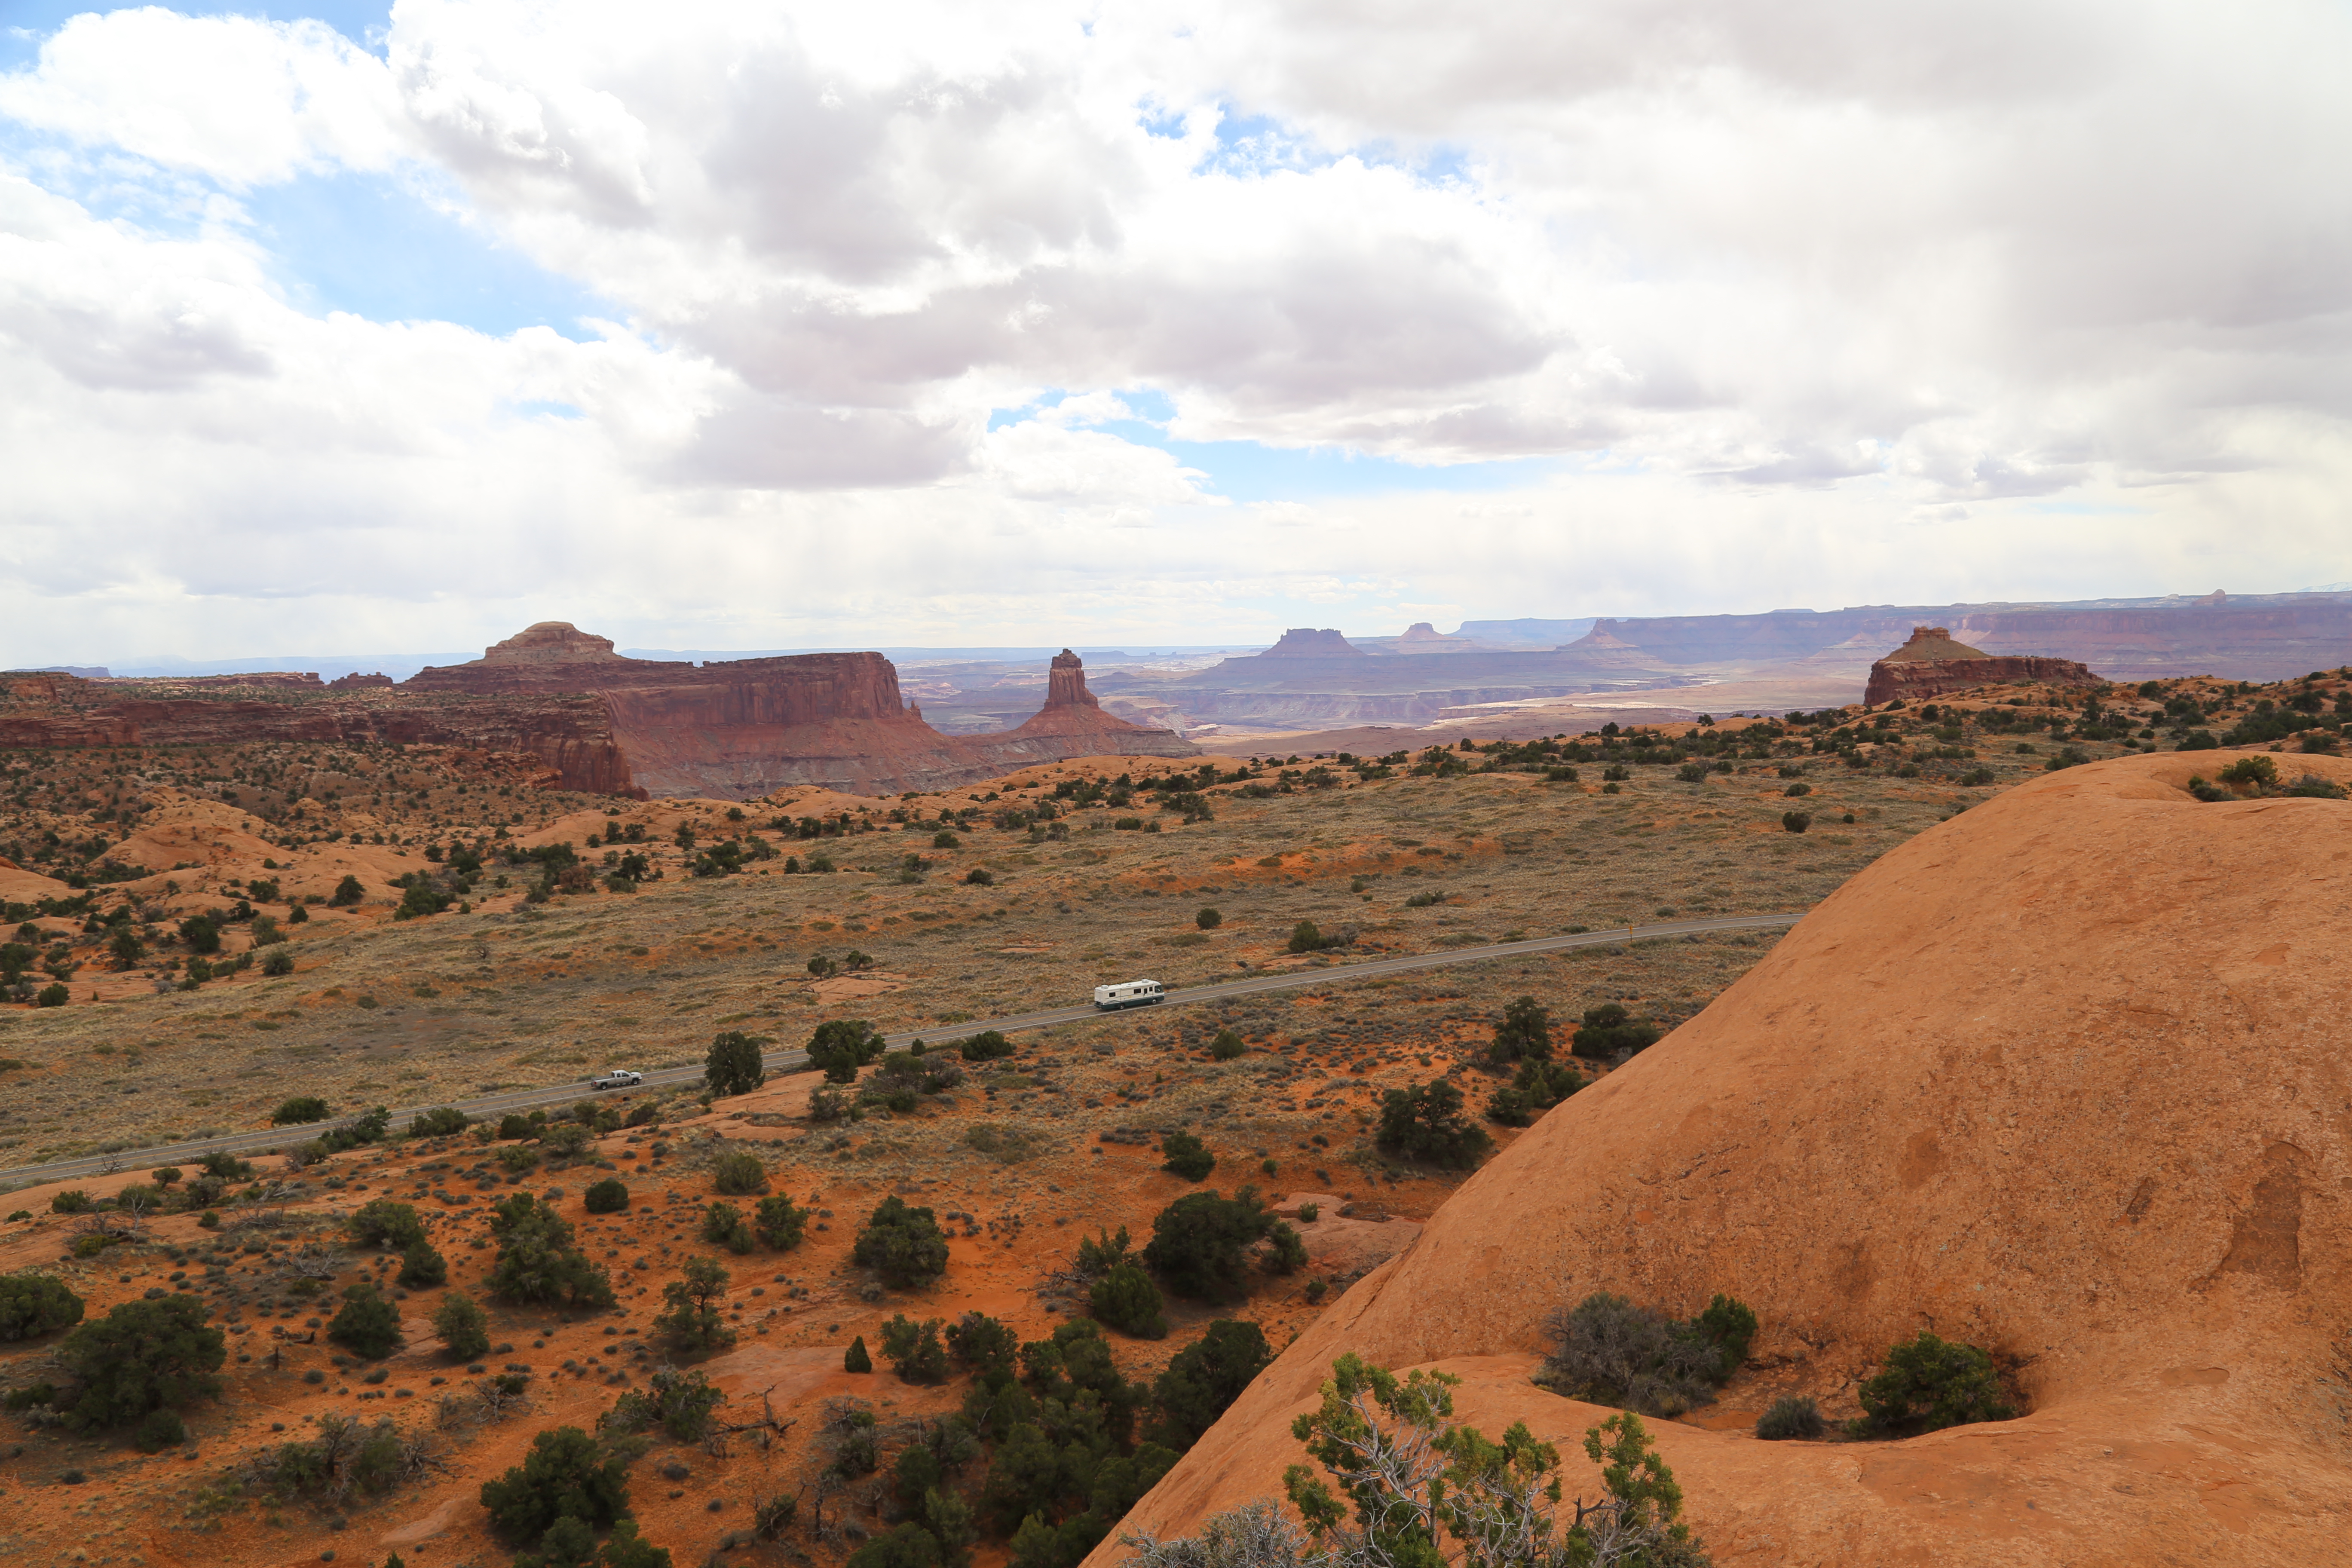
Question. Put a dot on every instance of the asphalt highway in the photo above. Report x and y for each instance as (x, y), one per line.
(1311, 978)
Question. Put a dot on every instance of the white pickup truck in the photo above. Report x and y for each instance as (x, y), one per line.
(617, 1078)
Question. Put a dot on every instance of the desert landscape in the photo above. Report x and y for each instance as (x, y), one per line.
(212, 932)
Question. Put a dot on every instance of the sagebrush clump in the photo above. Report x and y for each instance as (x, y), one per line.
(1609, 1350)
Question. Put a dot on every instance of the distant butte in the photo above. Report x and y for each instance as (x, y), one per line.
(1932, 663)
(1072, 724)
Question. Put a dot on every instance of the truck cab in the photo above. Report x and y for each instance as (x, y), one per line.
(1128, 994)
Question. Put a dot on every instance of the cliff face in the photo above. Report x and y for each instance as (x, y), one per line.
(1887, 1126)
(1305, 642)
(1072, 724)
(739, 730)
(571, 734)
(1932, 663)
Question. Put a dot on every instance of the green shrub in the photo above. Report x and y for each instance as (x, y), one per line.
(515, 1125)
(739, 1172)
(368, 1325)
(161, 1429)
(1798, 791)
(779, 1224)
(1609, 1029)
(421, 1267)
(981, 1344)
(733, 1065)
(914, 1350)
(1425, 1122)
(1792, 1416)
(856, 1359)
(518, 1158)
(1929, 1383)
(680, 1403)
(1305, 938)
(1796, 821)
(566, 1474)
(610, 1196)
(1535, 1088)
(538, 1260)
(384, 1222)
(143, 1356)
(1203, 1380)
(1101, 1255)
(441, 1121)
(1187, 1156)
(35, 1304)
(723, 1223)
(985, 1047)
(1227, 1045)
(1524, 1033)
(903, 1245)
(1284, 1253)
(280, 961)
(299, 1111)
(461, 1326)
(695, 1321)
(1199, 1242)
(73, 1200)
(1609, 1351)
(1208, 919)
(1127, 1300)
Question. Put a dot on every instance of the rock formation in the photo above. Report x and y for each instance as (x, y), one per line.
(571, 734)
(1072, 724)
(1932, 663)
(1305, 642)
(357, 683)
(2061, 1078)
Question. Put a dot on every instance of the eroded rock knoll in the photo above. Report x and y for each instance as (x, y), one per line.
(1072, 724)
(1931, 664)
(2063, 1077)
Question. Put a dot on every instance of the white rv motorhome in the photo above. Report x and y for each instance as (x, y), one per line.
(1130, 993)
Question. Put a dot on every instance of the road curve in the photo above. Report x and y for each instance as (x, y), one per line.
(266, 1139)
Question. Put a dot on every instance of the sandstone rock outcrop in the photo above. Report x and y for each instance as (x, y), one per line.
(1931, 664)
(2062, 1078)
(357, 683)
(1072, 724)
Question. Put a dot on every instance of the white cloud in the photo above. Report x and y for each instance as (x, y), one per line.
(1775, 283)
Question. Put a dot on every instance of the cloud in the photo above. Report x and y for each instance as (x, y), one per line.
(1760, 285)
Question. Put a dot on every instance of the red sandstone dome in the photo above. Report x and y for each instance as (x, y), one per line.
(1932, 663)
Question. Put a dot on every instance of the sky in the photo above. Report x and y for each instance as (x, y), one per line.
(1172, 321)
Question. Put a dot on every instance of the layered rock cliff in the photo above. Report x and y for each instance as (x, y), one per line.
(1072, 724)
(1305, 642)
(2061, 1078)
(1931, 664)
(569, 733)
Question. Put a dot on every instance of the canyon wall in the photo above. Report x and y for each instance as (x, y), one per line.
(568, 732)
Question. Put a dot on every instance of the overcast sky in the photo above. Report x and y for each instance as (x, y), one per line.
(736, 326)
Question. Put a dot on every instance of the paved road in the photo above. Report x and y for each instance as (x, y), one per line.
(791, 1061)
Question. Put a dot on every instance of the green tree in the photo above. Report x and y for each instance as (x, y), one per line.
(441, 1121)
(610, 1196)
(1199, 1242)
(1187, 1156)
(841, 1046)
(738, 1172)
(347, 892)
(126, 947)
(856, 1359)
(143, 1356)
(566, 1474)
(368, 1325)
(695, 1323)
(779, 1223)
(1425, 1122)
(384, 1222)
(537, 1259)
(1208, 919)
(1228, 1046)
(1203, 1380)
(299, 1111)
(914, 1350)
(421, 1267)
(461, 1326)
(1127, 1300)
(680, 1403)
(905, 1246)
(1608, 1029)
(723, 1223)
(1523, 1034)
(1928, 1383)
(1305, 938)
(35, 1304)
(733, 1066)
